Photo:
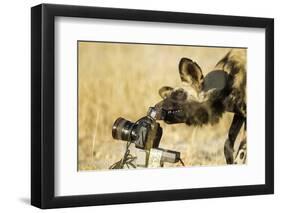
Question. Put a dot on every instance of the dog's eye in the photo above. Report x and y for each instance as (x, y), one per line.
(179, 95)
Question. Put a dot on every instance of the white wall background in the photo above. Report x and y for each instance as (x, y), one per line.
(15, 105)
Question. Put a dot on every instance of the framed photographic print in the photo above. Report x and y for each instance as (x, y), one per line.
(140, 106)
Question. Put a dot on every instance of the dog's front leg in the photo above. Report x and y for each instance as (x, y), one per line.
(242, 150)
(235, 127)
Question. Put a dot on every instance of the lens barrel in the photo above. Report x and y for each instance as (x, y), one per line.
(122, 129)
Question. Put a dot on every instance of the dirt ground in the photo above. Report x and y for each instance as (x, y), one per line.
(122, 80)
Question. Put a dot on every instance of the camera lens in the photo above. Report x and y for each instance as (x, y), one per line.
(122, 129)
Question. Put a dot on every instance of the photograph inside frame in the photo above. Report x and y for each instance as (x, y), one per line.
(160, 105)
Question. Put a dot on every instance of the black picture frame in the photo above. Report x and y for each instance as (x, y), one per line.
(43, 102)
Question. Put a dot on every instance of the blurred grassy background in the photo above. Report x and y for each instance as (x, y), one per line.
(122, 80)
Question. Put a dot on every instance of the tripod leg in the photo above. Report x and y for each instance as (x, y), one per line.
(235, 127)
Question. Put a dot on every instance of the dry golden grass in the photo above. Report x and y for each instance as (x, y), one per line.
(122, 80)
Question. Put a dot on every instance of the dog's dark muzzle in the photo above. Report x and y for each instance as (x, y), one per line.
(171, 112)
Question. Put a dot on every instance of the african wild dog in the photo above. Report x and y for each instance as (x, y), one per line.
(202, 100)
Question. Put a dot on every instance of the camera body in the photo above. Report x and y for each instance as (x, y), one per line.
(146, 134)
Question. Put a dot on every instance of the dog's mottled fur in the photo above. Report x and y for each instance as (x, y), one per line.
(199, 106)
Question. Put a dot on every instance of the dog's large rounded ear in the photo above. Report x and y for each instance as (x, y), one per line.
(190, 72)
(166, 91)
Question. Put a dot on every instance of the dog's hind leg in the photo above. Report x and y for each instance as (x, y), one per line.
(235, 127)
